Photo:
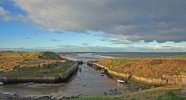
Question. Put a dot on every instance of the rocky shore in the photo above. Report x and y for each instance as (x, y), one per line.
(6, 96)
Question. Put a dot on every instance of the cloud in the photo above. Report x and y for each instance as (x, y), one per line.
(117, 41)
(8, 16)
(3, 12)
(85, 44)
(167, 47)
(27, 37)
(132, 20)
(55, 40)
(75, 48)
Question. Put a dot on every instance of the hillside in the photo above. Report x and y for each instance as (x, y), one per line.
(11, 59)
(161, 93)
(41, 67)
(49, 56)
(146, 67)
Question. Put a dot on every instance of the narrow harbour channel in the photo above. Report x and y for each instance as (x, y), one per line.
(87, 82)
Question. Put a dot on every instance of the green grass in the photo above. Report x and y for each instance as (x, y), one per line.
(51, 69)
(178, 56)
(147, 95)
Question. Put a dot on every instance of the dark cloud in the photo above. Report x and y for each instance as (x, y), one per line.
(55, 40)
(104, 39)
(27, 37)
(120, 42)
(85, 44)
(133, 20)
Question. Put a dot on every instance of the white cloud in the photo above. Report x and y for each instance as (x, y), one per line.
(134, 20)
(3, 12)
(7, 16)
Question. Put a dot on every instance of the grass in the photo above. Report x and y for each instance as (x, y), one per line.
(146, 67)
(11, 59)
(14, 65)
(178, 56)
(50, 69)
(162, 93)
(149, 68)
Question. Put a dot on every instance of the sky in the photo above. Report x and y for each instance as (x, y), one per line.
(93, 25)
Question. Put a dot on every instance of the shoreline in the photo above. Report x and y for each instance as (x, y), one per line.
(41, 78)
(67, 76)
(148, 81)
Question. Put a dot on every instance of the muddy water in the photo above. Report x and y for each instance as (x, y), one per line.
(87, 82)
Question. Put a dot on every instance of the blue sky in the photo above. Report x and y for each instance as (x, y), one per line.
(93, 25)
(16, 35)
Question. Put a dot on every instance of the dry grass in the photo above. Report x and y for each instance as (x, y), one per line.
(146, 67)
(172, 92)
(33, 66)
(10, 59)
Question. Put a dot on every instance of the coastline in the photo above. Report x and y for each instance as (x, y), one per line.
(111, 72)
(41, 78)
(166, 80)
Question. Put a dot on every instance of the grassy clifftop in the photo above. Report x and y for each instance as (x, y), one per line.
(49, 55)
(29, 55)
(146, 67)
(10, 59)
(42, 67)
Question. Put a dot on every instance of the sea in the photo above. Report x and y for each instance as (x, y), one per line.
(91, 56)
(138, 54)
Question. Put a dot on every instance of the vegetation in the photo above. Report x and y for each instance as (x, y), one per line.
(58, 68)
(147, 67)
(10, 59)
(33, 66)
(178, 56)
(162, 93)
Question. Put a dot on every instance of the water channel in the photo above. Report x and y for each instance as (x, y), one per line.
(87, 82)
